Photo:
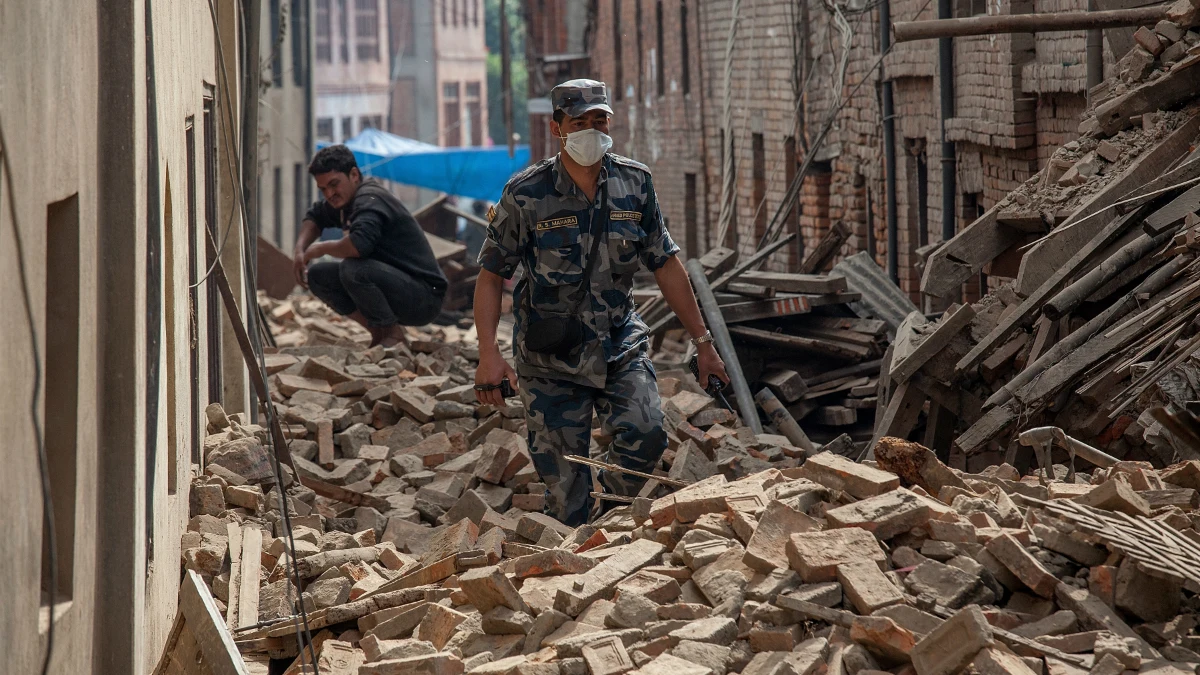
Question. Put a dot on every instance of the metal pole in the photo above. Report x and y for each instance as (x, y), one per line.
(889, 146)
(784, 422)
(506, 77)
(946, 93)
(906, 31)
(716, 324)
(1095, 55)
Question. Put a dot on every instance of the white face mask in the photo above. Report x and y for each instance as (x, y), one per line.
(588, 146)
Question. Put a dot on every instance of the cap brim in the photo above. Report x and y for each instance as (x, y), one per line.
(579, 109)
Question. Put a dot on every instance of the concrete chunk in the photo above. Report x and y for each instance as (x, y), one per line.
(816, 555)
(839, 473)
(948, 648)
(867, 587)
(885, 515)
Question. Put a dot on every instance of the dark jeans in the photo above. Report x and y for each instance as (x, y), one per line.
(385, 295)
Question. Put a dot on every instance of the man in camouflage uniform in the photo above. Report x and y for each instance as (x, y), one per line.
(546, 222)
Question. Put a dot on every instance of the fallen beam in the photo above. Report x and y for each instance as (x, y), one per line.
(907, 31)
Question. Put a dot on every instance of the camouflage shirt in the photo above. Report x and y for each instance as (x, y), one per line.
(546, 223)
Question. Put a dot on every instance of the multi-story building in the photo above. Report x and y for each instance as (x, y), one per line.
(690, 84)
(556, 50)
(285, 120)
(120, 160)
(350, 53)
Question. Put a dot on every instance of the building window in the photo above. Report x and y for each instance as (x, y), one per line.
(325, 129)
(299, 33)
(454, 12)
(474, 121)
(193, 236)
(324, 33)
(212, 299)
(277, 205)
(60, 405)
(445, 4)
(691, 227)
(475, 13)
(759, 173)
(344, 31)
(619, 74)
(685, 74)
(366, 29)
(660, 56)
(401, 36)
(347, 128)
(276, 45)
(790, 167)
(370, 122)
(451, 117)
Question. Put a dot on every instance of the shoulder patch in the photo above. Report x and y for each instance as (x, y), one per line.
(528, 172)
(625, 161)
(491, 213)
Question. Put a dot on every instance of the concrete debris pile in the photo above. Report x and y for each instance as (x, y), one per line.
(1089, 326)
(903, 565)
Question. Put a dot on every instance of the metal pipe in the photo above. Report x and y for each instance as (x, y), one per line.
(716, 324)
(946, 94)
(906, 31)
(1044, 436)
(1094, 55)
(887, 108)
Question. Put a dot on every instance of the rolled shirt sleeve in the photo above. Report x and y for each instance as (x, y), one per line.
(659, 247)
(501, 251)
(366, 230)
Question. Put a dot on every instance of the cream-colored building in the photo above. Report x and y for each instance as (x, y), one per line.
(350, 55)
(285, 120)
(120, 135)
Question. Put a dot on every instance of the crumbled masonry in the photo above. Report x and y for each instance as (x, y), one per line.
(763, 567)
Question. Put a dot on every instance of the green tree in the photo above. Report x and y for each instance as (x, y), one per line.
(520, 87)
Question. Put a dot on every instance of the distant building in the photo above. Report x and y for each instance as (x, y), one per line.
(285, 120)
(556, 50)
(350, 51)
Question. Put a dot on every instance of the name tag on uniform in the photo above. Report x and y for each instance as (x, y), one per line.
(635, 216)
(557, 223)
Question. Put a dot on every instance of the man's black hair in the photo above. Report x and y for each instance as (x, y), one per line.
(559, 116)
(332, 158)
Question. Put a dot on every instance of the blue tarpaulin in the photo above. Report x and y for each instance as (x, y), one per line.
(476, 172)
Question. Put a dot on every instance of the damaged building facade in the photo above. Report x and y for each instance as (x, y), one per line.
(788, 66)
(120, 151)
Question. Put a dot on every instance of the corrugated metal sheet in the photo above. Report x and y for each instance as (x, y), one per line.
(881, 299)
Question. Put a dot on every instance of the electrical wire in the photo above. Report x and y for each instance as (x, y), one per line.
(303, 633)
(38, 437)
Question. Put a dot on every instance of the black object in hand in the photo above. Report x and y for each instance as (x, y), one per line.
(505, 388)
(714, 388)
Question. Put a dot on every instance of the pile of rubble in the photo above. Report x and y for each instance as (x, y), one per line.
(1089, 326)
(833, 566)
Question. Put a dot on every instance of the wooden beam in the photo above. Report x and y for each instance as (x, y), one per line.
(965, 255)
(208, 628)
(900, 416)
(795, 342)
(1177, 86)
(783, 421)
(234, 531)
(786, 282)
(930, 29)
(933, 344)
(825, 249)
(766, 309)
(251, 570)
(1174, 211)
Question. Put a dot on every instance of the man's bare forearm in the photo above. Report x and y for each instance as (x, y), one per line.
(308, 234)
(673, 280)
(489, 292)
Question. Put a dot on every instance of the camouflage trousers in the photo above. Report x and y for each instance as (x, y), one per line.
(559, 419)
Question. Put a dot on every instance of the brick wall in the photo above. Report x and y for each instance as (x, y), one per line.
(785, 83)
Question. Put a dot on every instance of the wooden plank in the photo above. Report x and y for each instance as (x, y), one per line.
(900, 416)
(251, 569)
(783, 421)
(999, 360)
(864, 368)
(960, 401)
(719, 260)
(835, 387)
(874, 327)
(835, 416)
(787, 384)
(206, 625)
(751, 290)
(1178, 85)
(1044, 259)
(826, 248)
(164, 659)
(1172, 212)
(1033, 302)
(786, 282)
(771, 338)
(235, 573)
(933, 344)
(964, 256)
(1029, 223)
(765, 309)
(837, 335)
(1045, 333)
(939, 431)
(344, 495)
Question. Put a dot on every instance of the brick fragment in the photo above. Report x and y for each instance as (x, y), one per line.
(667, 664)
(816, 555)
(767, 548)
(441, 663)
(1116, 495)
(867, 587)
(439, 624)
(992, 661)
(885, 515)
(552, 562)
(488, 587)
(839, 473)
(883, 637)
(948, 648)
(1023, 565)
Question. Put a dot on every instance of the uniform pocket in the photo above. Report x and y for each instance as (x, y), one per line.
(624, 247)
(559, 256)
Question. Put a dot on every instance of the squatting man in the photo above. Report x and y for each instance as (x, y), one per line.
(580, 224)
(388, 277)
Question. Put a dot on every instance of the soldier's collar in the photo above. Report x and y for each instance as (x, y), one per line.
(566, 186)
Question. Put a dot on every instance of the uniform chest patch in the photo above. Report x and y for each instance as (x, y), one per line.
(556, 223)
(635, 216)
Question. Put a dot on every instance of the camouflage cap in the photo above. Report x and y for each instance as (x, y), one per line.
(575, 97)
